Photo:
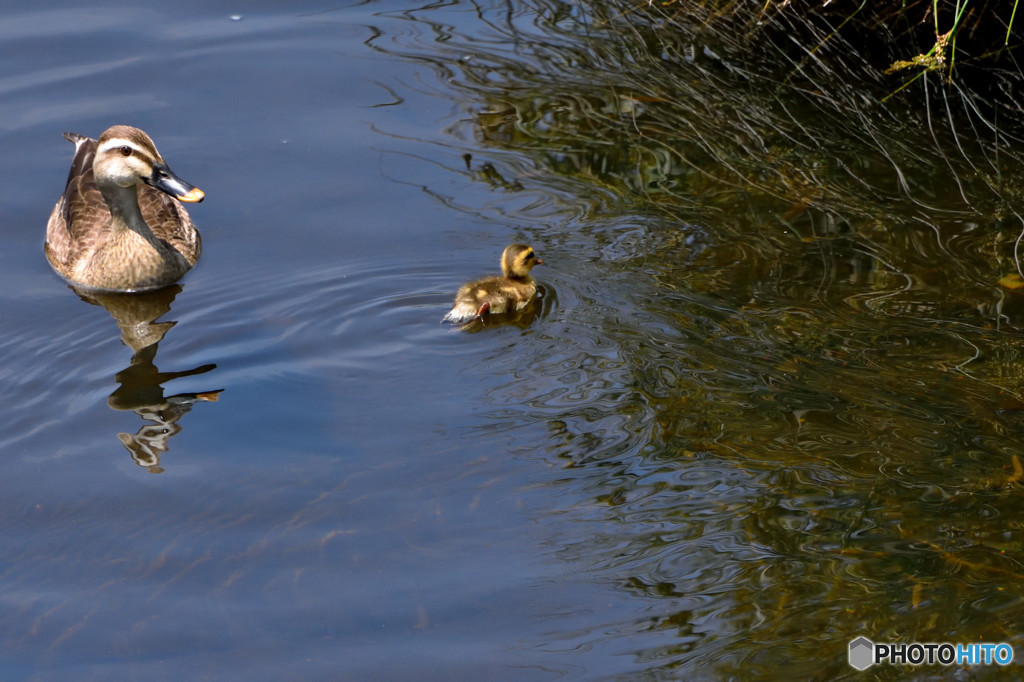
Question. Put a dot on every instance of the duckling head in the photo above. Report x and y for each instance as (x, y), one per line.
(517, 260)
(126, 156)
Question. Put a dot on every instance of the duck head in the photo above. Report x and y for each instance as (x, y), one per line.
(126, 156)
(517, 260)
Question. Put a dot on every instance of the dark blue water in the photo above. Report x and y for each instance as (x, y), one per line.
(351, 505)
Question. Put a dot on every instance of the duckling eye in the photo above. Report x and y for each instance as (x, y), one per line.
(125, 150)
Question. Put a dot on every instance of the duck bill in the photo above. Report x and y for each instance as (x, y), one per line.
(165, 180)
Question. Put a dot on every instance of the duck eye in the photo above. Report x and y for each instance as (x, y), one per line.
(125, 150)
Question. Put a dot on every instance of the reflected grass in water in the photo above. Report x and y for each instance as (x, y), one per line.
(770, 409)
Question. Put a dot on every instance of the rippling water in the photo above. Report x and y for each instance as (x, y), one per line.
(721, 448)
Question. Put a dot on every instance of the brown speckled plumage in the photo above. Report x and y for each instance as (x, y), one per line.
(113, 229)
(514, 290)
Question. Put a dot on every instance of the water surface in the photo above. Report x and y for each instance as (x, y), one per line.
(736, 435)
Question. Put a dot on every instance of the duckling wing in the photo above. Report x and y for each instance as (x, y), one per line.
(518, 293)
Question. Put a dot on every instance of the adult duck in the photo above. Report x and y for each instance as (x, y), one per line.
(117, 227)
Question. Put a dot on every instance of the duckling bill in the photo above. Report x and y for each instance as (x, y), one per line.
(514, 290)
(119, 226)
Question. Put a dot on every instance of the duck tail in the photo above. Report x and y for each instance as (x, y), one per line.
(461, 312)
(75, 137)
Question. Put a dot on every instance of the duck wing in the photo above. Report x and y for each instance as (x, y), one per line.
(169, 221)
(80, 219)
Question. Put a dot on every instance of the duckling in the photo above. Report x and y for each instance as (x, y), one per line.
(116, 227)
(512, 291)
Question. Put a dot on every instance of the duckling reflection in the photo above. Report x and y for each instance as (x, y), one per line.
(141, 383)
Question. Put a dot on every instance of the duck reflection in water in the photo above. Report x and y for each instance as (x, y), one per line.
(141, 383)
